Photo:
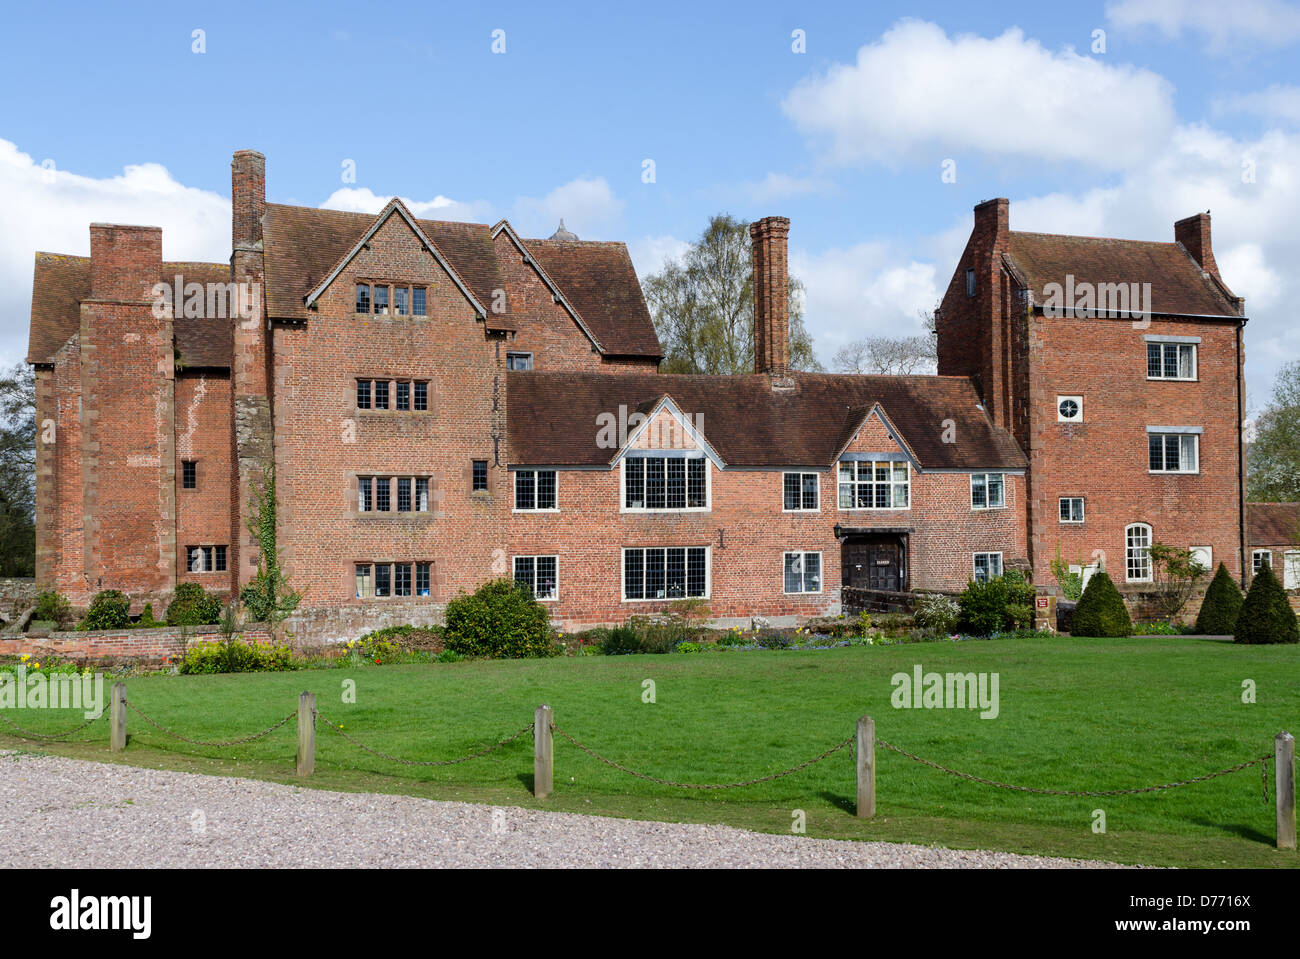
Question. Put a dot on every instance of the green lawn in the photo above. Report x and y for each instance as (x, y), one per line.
(1074, 714)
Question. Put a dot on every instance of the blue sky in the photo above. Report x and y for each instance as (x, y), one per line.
(121, 120)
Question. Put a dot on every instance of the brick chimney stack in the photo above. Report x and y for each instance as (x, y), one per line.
(125, 261)
(1194, 234)
(247, 199)
(768, 238)
(992, 225)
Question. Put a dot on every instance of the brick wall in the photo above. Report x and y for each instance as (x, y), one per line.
(127, 644)
(203, 436)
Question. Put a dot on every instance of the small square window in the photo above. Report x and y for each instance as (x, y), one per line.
(519, 361)
(1071, 509)
(189, 474)
(1069, 409)
(987, 566)
(480, 476)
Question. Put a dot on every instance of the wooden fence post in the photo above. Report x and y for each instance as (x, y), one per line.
(866, 768)
(543, 752)
(117, 718)
(306, 733)
(1284, 791)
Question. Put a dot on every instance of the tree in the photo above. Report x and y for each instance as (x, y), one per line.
(893, 355)
(703, 306)
(1266, 615)
(1273, 463)
(18, 472)
(1176, 573)
(1221, 605)
(1101, 610)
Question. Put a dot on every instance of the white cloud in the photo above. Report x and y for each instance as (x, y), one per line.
(51, 210)
(919, 94)
(868, 289)
(1277, 102)
(651, 252)
(1223, 26)
(780, 186)
(587, 205)
(364, 200)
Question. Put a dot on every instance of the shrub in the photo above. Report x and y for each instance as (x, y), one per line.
(192, 606)
(1101, 610)
(659, 636)
(1221, 605)
(1020, 615)
(1266, 615)
(774, 641)
(110, 609)
(236, 656)
(146, 620)
(937, 612)
(1071, 583)
(52, 607)
(1175, 575)
(983, 606)
(621, 641)
(500, 620)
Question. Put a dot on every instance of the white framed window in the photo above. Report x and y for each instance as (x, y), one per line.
(386, 580)
(665, 484)
(1173, 452)
(866, 484)
(1071, 509)
(1137, 553)
(1261, 557)
(800, 492)
(1069, 409)
(802, 572)
(1291, 570)
(541, 574)
(519, 361)
(987, 566)
(667, 572)
(535, 491)
(1204, 555)
(1170, 360)
(988, 491)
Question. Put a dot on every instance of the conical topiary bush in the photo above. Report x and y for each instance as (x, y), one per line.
(1101, 610)
(1221, 605)
(1266, 615)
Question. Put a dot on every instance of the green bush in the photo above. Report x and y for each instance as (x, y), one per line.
(236, 656)
(773, 641)
(110, 609)
(1020, 615)
(192, 606)
(1266, 615)
(1221, 605)
(1101, 610)
(52, 607)
(500, 620)
(983, 606)
(621, 641)
(146, 620)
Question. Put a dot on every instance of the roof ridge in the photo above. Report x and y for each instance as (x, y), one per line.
(1096, 239)
(361, 213)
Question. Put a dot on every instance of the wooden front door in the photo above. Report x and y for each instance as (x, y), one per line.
(873, 565)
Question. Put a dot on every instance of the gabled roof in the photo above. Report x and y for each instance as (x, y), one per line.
(553, 417)
(857, 418)
(60, 283)
(650, 410)
(304, 244)
(395, 207)
(599, 280)
(1273, 524)
(1177, 283)
(504, 226)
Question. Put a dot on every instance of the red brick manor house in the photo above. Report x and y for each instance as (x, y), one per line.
(448, 402)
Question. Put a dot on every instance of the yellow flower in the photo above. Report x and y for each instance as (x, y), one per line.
(36, 665)
(25, 656)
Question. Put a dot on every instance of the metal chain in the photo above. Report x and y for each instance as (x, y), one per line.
(30, 734)
(668, 782)
(199, 742)
(423, 762)
(1072, 792)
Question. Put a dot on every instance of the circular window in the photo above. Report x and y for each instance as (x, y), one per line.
(1069, 409)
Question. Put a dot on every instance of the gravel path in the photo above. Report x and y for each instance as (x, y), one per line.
(75, 812)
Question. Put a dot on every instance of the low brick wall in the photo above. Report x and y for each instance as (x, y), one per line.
(148, 645)
(321, 626)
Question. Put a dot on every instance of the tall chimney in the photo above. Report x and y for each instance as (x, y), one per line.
(247, 199)
(125, 261)
(1194, 234)
(768, 239)
(993, 225)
